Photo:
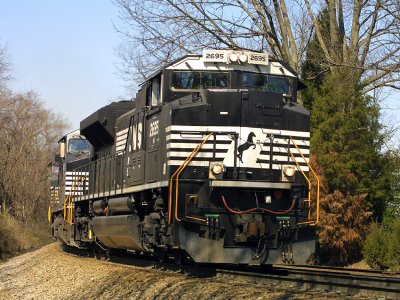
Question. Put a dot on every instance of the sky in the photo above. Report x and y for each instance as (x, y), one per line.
(65, 51)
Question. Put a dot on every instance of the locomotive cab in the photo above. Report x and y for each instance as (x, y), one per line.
(74, 152)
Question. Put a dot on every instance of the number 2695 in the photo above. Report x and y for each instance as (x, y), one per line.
(214, 56)
(257, 58)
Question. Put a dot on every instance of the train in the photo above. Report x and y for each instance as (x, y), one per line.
(209, 163)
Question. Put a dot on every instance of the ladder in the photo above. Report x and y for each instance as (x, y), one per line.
(68, 203)
(311, 221)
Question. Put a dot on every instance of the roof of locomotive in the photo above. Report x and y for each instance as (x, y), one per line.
(73, 133)
(273, 66)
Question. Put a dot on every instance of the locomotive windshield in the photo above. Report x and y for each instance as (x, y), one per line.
(268, 83)
(194, 80)
(78, 145)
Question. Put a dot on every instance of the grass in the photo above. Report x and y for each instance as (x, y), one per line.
(18, 237)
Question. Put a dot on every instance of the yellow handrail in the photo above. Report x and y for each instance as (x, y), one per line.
(315, 222)
(49, 217)
(68, 205)
(68, 210)
(176, 174)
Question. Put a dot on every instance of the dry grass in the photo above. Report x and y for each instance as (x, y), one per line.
(18, 237)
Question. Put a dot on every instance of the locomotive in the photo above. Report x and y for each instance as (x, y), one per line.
(210, 163)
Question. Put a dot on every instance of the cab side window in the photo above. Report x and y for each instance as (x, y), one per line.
(154, 92)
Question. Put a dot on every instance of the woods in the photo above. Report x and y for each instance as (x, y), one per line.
(28, 137)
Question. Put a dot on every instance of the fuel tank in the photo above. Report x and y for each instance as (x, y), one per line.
(120, 232)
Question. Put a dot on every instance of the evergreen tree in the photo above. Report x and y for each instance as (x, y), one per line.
(347, 139)
(346, 134)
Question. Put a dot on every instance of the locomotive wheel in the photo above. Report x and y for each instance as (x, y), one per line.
(179, 257)
(161, 255)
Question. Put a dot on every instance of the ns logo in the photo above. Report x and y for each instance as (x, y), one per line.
(246, 145)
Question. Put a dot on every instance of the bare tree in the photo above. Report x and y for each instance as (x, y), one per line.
(28, 133)
(362, 35)
(4, 67)
(159, 31)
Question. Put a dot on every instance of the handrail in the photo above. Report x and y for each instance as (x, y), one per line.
(309, 184)
(68, 205)
(176, 174)
(68, 210)
(315, 222)
(49, 214)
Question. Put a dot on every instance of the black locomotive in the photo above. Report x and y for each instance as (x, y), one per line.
(208, 163)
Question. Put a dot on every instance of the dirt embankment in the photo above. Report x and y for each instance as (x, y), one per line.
(50, 273)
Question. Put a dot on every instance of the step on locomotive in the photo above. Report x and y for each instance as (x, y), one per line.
(210, 162)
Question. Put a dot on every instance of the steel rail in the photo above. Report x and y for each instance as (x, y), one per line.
(368, 283)
(350, 281)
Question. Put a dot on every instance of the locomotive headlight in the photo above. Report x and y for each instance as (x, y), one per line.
(243, 58)
(217, 168)
(289, 171)
(233, 57)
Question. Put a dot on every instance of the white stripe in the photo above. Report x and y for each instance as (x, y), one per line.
(192, 163)
(284, 158)
(199, 154)
(305, 152)
(120, 141)
(69, 189)
(76, 173)
(120, 144)
(198, 137)
(70, 183)
(194, 145)
(70, 180)
(298, 141)
(279, 167)
(74, 178)
(124, 131)
(75, 194)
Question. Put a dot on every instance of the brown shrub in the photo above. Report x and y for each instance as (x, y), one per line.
(343, 227)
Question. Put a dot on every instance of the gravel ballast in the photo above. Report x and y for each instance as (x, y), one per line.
(50, 273)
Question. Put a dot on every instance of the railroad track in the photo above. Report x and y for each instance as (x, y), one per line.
(348, 281)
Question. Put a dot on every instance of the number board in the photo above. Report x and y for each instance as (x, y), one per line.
(215, 56)
(258, 58)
